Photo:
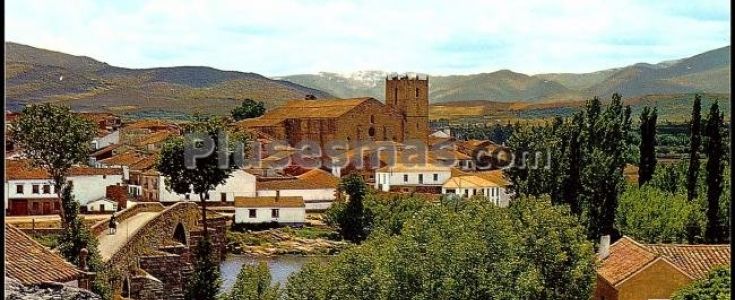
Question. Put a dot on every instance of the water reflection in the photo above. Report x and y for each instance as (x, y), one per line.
(280, 266)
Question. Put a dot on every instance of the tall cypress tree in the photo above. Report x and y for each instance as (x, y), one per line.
(695, 141)
(648, 145)
(714, 148)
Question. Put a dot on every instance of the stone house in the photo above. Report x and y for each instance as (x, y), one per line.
(631, 271)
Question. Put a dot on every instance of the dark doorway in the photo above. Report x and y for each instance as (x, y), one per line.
(180, 234)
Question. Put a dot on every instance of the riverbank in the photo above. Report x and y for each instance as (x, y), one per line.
(285, 241)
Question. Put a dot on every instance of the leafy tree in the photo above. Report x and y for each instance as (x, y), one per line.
(648, 145)
(670, 178)
(254, 283)
(75, 237)
(695, 141)
(715, 287)
(531, 250)
(204, 283)
(651, 215)
(351, 218)
(715, 149)
(207, 174)
(55, 139)
(248, 109)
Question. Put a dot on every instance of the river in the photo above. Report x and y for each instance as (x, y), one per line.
(280, 267)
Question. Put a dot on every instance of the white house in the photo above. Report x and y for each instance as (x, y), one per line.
(317, 187)
(30, 191)
(105, 138)
(405, 176)
(278, 209)
(102, 205)
(491, 185)
(240, 184)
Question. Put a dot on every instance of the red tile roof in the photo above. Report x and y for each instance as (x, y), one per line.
(285, 202)
(154, 138)
(17, 169)
(628, 257)
(31, 263)
(312, 179)
(696, 260)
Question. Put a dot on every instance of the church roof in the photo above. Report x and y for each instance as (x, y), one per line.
(295, 109)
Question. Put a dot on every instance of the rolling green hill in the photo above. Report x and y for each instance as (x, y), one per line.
(38, 75)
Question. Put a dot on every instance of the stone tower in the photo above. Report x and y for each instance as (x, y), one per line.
(409, 95)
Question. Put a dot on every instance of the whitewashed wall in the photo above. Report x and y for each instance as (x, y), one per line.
(241, 184)
(314, 199)
(104, 141)
(384, 180)
(286, 215)
(86, 188)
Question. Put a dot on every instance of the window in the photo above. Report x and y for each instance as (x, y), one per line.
(274, 213)
(451, 191)
(417, 92)
(57, 205)
(46, 189)
(436, 177)
(421, 178)
(35, 189)
(19, 189)
(36, 206)
(395, 95)
(206, 196)
(104, 176)
(188, 197)
(252, 213)
(372, 118)
(223, 197)
(405, 178)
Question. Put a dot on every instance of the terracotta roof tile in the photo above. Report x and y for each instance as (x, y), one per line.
(31, 263)
(285, 202)
(626, 257)
(16, 169)
(468, 181)
(327, 108)
(154, 138)
(123, 159)
(312, 179)
(696, 260)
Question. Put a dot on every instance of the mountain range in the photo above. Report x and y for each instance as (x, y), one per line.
(34, 75)
(39, 75)
(706, 72)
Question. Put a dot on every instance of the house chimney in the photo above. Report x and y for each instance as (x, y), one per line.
(604, 250)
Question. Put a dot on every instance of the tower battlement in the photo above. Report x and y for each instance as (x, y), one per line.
(408, 94)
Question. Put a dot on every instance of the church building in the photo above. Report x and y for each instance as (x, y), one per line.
(404, 116)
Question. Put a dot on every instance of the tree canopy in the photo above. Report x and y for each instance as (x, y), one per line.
(248, 109)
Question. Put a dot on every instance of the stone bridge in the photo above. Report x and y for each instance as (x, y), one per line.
(150, 255)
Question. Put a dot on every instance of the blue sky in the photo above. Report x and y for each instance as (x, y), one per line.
(281, 37)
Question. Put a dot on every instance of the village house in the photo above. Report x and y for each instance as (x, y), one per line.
(631, 271)
(489, 184)
(284, 210)
(425, 177)
(108, 129)
(240, 184)
(317, 188)
(403, 116)
(29, 262)
(30, 191)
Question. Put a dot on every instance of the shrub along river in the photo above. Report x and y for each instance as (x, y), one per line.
(280, 266)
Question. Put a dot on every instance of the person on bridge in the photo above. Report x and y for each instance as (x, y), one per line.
(113, 224)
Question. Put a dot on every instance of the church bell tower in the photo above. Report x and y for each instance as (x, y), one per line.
(409, 95)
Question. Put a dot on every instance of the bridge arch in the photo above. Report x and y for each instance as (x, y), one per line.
(180, 234)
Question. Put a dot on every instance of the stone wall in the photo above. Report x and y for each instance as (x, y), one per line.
(102, 226)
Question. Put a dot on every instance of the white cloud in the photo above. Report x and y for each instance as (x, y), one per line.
(282, 37)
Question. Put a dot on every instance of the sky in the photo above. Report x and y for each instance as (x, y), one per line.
(283, 37)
